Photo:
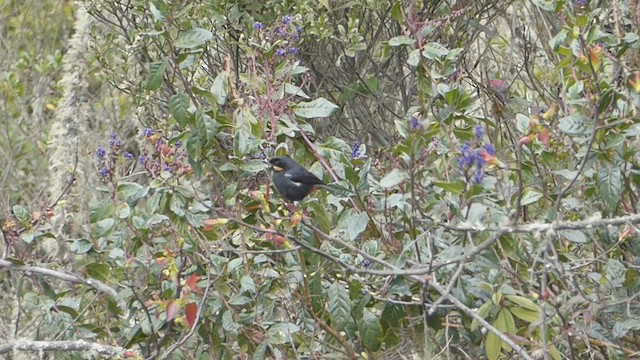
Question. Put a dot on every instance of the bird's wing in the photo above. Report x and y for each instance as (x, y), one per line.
(304, 177)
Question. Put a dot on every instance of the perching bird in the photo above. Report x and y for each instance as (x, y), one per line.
(292, 181)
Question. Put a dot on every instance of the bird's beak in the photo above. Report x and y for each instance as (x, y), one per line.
(275, 168)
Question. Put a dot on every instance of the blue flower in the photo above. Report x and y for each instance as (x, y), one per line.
(479, 130)
(258, 25)
(178, 143)
(127, 155)
(143, 159)
(466, 148)
(146, 132)
(283, 33)
(293, 50)
(281, 52)
(415, 123)
(366, 263)
(287, 19)
(479, 175)
(101, 152)
(358, 150)
(115, 141)
(104, 172)
(490, 149)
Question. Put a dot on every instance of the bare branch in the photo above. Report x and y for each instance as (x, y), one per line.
(72, 278)
(79, 345)
(546, 227)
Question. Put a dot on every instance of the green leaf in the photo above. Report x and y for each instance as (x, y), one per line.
(103, 226)
(295, 90)
(80, 246)
(575, 236)
(211, 99)
(530, 197)
(159, 9)
(28, 236)
(124, 210)
(315, 291)
(21, 214)
(558, 39)
(504, 322)
(260, 351)
(370, 331)
(219, 88)
(524, 314)
(320, 107)
(254, 166)
(193, 38)
(98, 271)
(401, 40)
(206, 127)
(339, 305)
(434, 51)
(178, 204)
(567, 174)
(522, 302)
(281, 332)
(247, 284)
(156, 75)
(575, 125)
(355, 223)
(392, 315)
(395, 177)
(178, 107)
(546, 5)
(396, 11)
(575, 90)
(610, 186)
(400, 288)
(126, 190)
(100, 210)
(483, 312)
(452, 187)
(413, 59)
(555, 354)
(492, 345)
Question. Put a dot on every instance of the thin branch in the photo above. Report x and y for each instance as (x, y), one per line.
(547, 227)
(79, 345)
(72, 278)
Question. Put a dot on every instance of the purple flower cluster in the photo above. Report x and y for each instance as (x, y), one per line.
(160, 157)
(285, 35)
(108, 158)
(472, 161)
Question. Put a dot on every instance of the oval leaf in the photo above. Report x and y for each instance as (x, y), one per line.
(320, 107)
(610, 186)
(193, 38)
(172, 310)
(190, 313)
(178, 105)
(395, 177)
(370, 331)
(339, 305)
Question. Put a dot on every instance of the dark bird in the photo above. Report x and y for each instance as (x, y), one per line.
(292, 181)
